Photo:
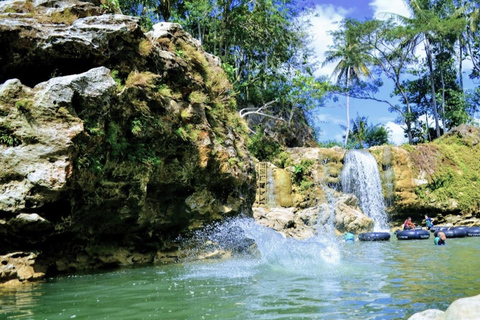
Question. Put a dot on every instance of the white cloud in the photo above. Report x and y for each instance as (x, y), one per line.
(396, 133)
(383, 8)
(324, 21)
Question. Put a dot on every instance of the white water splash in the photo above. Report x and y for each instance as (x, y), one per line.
(361, 177)
(274, 251)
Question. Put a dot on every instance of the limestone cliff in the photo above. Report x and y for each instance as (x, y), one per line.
(439, 179)
(113, 142)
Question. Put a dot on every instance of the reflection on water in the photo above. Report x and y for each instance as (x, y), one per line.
(290, 280)
(17, 300)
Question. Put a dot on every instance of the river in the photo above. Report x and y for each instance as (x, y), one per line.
(289, 279)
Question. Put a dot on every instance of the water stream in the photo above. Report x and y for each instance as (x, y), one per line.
(360, 176)
(284, 279)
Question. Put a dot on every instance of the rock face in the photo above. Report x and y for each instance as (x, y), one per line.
(18, 267)
(439, 178)
(112, 142)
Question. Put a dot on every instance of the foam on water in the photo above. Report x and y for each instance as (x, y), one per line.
(273, 251)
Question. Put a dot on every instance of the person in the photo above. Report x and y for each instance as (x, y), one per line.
(440, 238)
(408, 224)
(349, 237)
(428, 222)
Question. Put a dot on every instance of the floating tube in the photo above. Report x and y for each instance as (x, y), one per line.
(412, 234)
(452, 232)
(374, 236)
(473, 232)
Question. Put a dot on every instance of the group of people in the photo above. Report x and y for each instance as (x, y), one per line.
(440, 237)
(409, 225)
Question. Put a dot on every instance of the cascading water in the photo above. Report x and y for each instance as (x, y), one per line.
(361, 177)
(270, 188)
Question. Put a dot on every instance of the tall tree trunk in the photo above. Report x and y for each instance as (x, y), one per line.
(347, 131)
(428, 127)
(460, 66)
(443, 103)
(432, 86)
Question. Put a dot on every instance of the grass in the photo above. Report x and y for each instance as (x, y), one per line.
(141, 79)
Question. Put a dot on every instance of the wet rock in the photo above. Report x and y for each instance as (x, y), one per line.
(349, 217)
(283, 187)
(304, 223)
(430, 314)
(18, 267)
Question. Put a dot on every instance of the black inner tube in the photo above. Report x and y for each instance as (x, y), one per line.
(413, 234)
(374, 236)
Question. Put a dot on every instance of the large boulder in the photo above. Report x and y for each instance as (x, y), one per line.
(460, 309)
(112, 145)
(430, 314)
(464, 309)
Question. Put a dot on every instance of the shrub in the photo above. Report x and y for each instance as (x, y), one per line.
(263, 148)
(141, 79)
(145, 47)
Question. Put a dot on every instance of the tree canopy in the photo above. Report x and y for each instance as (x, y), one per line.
(422, 55)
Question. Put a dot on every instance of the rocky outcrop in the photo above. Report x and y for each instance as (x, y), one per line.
(18, 267)
(306, 223)
(464, 308)
(113, 142)
(439, 178)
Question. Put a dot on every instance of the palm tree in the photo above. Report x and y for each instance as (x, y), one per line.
(352, 56)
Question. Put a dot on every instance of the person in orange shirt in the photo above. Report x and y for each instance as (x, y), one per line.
(408, 224)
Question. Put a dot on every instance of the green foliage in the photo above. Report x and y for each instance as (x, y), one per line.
(330, 144)
(364, 135)
(111, 6)
(117, 79)
(24, 106)
(301, 172)
(283, 160)
(456, 175)
(263, 148)
(8, 138)
(197, 97)
(182, 133)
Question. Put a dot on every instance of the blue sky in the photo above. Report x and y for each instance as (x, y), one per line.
(333, 115)
(329, 118)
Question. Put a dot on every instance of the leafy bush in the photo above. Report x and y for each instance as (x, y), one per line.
(263, 148)
(301, 171)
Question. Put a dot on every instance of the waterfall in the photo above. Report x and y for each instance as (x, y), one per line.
(271, 201)
(361, 177)
(388, 176)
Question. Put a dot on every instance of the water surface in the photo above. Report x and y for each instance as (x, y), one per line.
(289, 279)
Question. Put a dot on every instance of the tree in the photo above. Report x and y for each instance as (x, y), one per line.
(431, 21)
(352, 56)
(365, 135)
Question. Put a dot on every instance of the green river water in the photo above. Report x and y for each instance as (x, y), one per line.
(289, 279)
